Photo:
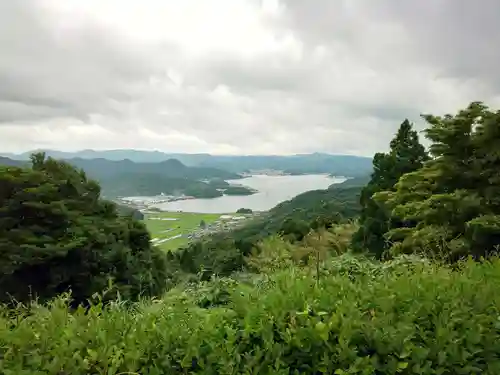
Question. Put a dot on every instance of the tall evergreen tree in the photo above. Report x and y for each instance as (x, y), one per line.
(451, 207)
(406, 155)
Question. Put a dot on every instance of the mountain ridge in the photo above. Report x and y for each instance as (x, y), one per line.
(340, 165)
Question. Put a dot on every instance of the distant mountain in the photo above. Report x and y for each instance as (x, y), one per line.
(172, 168)
(11, 162)
(340, 165)
(137, 156)
(127, 178)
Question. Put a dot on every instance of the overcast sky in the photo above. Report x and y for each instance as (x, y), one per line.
(238, 76)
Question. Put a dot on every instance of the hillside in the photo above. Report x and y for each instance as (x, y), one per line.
(12, 162)
(223, 253)
(152, 184)
(100, 168)
(127, 178)
(328, 205)
(358, 181)
(339, 165)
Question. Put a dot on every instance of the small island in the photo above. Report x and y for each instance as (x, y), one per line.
(239, 190)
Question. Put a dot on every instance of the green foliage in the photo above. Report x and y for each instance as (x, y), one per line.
(125, 210)
(402, 317)
(274, 253)
(244, 211)
(406, 155)
(56, 234)
(450, 208)
(225, 253)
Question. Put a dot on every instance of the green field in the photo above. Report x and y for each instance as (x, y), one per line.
(184, 224)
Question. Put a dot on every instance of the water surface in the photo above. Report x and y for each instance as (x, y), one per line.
(271, 191)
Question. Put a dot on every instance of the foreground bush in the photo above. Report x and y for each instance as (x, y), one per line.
(404, 317)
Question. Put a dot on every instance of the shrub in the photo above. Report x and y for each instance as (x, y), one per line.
(415, 318)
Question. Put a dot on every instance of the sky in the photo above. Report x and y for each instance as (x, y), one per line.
(238, 76)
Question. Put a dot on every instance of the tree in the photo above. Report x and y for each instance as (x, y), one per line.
(203, 225)
(406, 155)
(56, 235)
(450, 208)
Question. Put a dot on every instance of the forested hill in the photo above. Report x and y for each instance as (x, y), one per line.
(223, 253)
(12, 162)
(103, 168)
(358, 181)
(127, 178)
(339, 165)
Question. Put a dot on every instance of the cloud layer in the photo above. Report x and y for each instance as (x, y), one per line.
(237, 76)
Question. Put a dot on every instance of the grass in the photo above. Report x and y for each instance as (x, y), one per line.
(185, 224)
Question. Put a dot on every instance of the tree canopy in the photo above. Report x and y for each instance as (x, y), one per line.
(56, 235)
(406, 155)
(451, 206)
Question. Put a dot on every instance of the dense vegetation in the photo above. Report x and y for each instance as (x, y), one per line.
(406, 155)
(406, 316)
(451, 207)
(446, 207)
(224, 253)
(254, 302)
(56, 234)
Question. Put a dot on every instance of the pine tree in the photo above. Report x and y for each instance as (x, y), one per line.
(451, 207)
(406, 155)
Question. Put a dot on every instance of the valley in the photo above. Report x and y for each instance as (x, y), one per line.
(172, 230)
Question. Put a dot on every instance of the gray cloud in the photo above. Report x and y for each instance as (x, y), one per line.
(331, 76)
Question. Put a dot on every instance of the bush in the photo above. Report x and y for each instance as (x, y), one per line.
(414, 318)
(57, 235)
